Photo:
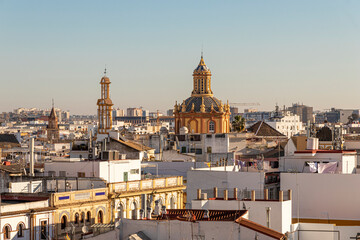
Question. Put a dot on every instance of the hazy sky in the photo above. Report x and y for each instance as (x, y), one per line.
(270, 51)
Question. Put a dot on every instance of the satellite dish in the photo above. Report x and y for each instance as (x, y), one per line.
(85, 229)
(67, 229)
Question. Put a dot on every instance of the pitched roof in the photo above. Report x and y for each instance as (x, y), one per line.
(198, 214)
(221, 215)
(299, 142)
(8, 138)
(133, 145)
(52, 114)
(263, 129)
(260, 228)
(12, 169)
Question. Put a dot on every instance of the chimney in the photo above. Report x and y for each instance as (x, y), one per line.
(215, 192)
(252, 195)
(235, 193)
(31, 150)
(148, 215)
(281, 196)
(198, 194)
(266, 194)
(204, 196)
(312, 143)
(290, 194)
(141, 214)
(226, 194)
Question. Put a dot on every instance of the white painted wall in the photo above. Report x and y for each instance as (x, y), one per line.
(110, 171)
(206, 179)
(280, 213)
(25, 187)
(323, 196)
(14, 219)
(346, 162)
(179, 230)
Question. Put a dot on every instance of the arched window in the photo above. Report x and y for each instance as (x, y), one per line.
(20, 229)
(63, 222)
(211, 126)
(88, 216)
(82, 217)
(7, 230)
(172, 202)
(134, 210)
(100, 217)
(76, 218)
(120, 211)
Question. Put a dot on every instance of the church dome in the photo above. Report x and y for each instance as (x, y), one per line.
(198, 101)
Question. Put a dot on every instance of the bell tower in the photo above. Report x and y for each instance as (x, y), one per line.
(105, 106)
(202, 80)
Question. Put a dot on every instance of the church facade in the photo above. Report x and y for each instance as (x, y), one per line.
(202, 112)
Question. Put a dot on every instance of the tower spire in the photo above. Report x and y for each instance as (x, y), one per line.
(52, 103)
(105, 70)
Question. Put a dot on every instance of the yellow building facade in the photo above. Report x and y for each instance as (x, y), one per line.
(104, 206)
(202, 112)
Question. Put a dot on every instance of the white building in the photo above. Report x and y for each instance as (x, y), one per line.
(109, 170)
(289, 125)
(197, 224)
(306, 161)
(225, 178)
(26, 220)
(274, 214)
(331, 199)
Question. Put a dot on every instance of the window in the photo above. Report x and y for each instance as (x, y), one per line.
(81, 174)
(7, 230)
(51, 173)
(62, 173)
(88, 216)
(20, 229)
(82, 217)
(76, 218)
(134, 171)
(63, 222)
(43, 230)
(100, 216)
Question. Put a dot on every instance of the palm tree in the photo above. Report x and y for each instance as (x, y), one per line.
(238, 124)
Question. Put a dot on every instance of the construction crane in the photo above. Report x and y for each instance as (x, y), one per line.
(244, 104)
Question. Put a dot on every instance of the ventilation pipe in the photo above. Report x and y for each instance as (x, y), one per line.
(31, 150)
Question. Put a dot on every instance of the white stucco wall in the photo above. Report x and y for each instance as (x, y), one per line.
(323, 196)
(280, 213)
(112, 171)
(178, 230)
(206, 179)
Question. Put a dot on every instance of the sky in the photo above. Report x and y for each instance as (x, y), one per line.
(265, 51)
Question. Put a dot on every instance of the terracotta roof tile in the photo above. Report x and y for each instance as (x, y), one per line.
(260, 228)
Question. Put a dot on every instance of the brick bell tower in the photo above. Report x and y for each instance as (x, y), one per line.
(105, 106)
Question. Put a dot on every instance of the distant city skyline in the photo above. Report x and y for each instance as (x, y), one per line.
(269, 52)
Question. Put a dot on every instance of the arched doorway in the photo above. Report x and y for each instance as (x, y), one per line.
(120, 211)
(134, 210)
(63, 222)
(100, 217)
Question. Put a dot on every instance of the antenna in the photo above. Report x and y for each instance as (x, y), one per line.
(202, 50)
